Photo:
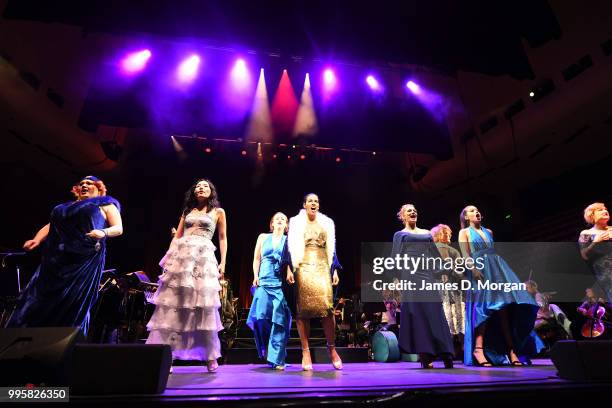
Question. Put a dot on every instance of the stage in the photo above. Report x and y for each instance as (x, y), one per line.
(388, 384)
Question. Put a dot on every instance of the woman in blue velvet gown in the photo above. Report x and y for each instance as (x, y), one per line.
(269, 317)
(423, 325)
(498, 324)
(65, 285)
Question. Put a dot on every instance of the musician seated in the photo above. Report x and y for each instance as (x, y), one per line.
(593, 301)
(549, 314)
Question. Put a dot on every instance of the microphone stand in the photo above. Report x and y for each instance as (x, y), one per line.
(6, 255)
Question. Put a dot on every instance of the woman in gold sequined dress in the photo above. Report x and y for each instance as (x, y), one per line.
(312, 243)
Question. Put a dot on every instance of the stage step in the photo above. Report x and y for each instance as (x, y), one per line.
(294, 355)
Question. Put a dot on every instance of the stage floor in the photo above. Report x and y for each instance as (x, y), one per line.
(373, 379)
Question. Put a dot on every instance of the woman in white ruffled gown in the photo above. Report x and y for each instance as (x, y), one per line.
(187, 301)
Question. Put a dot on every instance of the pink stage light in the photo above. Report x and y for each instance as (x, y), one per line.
(414, 88)
(188, 69)
(135, 61)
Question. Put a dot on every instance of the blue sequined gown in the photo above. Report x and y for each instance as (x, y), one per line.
(423, 325)
(269, 317)
(65, 285)
(482, 305)
(187, 301)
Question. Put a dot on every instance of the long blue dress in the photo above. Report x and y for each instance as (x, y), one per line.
(482, 305)
(65, 285)
(423, 325)
(270, 317)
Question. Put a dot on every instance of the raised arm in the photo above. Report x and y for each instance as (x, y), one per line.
(222, 228)
(40, 236)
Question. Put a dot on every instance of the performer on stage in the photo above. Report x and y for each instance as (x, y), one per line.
(312, 244)
(270, 317)
(513, 312)
(596, 246)
(187, 301)
(452, 300)
(423, 326)
(65, 285)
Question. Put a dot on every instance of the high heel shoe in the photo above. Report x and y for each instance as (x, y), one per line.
(480, 362)
(306, 362)
(426, 360)
(448, 360)
(514, 360)
(212, 365)
(336, 362)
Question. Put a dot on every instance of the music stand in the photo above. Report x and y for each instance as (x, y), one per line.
(6, 255)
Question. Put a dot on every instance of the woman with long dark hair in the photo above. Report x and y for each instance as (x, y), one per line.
(498, 324)
(187, 301)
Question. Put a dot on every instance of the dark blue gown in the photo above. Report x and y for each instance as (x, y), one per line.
(65, 285)
(423, 325)
(482, 306)
(270, 317)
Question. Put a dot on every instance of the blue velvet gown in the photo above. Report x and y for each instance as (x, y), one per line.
(270, 317)
(65, 285)
(423, 325)
(482, 305)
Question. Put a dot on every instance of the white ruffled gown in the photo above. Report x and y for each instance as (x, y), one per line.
(187, 301)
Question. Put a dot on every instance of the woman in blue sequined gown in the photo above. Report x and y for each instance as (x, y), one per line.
(270, 317)
(65, 285)
(187, 301)
(423, 326)
(498, 324)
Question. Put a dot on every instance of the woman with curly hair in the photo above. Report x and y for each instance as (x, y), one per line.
(65, 285)
(596, 245)
(187, 301)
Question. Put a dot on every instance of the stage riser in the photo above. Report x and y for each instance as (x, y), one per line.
(319, 355)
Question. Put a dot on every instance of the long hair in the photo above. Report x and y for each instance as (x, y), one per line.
(191, 201)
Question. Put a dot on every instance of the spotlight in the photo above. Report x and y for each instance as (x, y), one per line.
(329, 78)
(302, 156)
(208, 150)
(135, 61)
(413, 87)
(240, 74)
(188, 69)
(338, 159)
(373, 83)
(244, 152)
(543, 88)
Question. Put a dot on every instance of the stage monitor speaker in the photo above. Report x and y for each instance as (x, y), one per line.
(120, 369)
(36, 355)
(583, 360)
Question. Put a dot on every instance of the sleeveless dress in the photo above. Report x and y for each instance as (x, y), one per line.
(65, 285)
(313, 285)
(269, 317)
(187, 301)
(482, 305)
(423, 325)
(600, 262)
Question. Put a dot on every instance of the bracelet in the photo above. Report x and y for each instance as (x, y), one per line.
(104, 231)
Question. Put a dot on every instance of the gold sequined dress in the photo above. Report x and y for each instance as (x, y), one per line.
(314, 294)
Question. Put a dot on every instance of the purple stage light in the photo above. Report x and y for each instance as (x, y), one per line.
(414, 88)
(188, 69)
(329, 79)
(373, 83)
(135, 61)
(240, 74)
